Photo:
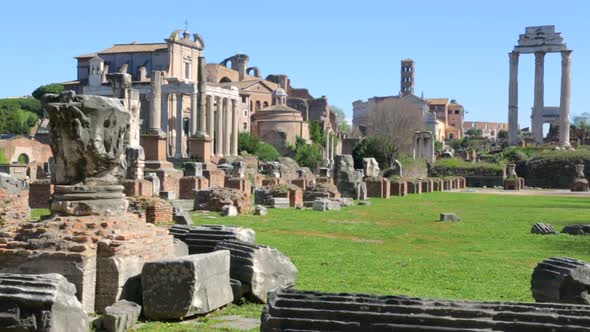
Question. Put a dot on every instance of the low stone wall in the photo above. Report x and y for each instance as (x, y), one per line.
(240, 184)
(484, 181)
(169, 179)
(296, 197)
(138, 188)
(14, 200)
(379, 187)
(40, 194)
(399, 188)
(190, 183)
(158, 211)
(216, 177)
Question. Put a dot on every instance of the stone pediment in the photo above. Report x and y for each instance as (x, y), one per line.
(258, 87)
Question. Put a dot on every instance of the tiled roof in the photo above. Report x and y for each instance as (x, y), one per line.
(438, 101)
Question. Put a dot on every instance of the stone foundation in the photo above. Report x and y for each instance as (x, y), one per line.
(216, 177)
(14, 200)
(159, 211)
(169, 179)
(101, 256)
(214, 199)
(414, 187)
(295, 197)
(378, 187)
(40, 194)
(240, 184)
(138, 188)
(399, 188)
(190, 183)
(301, 183)
(515, 183)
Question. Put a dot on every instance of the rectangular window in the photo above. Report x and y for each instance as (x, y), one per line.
(187, 70)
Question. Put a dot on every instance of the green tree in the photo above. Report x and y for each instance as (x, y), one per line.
(474, 132)
(316, 133)
(248, 143)
(18, 115)
(49, 88)
(343, 126)
(382, 150)
(503, 134)
(3, 158)
(266, 152)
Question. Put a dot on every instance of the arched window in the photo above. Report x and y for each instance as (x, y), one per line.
(451, 136)
(23, 159)
(185, 125)
(257, 105)
(265, 104)
(225, 79)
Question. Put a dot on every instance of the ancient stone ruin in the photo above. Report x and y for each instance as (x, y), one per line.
(580, 182)
(561, 280)
(294, 310)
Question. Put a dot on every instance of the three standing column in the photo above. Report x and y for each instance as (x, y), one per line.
(539, 102)
(513, 99)
(564, 101)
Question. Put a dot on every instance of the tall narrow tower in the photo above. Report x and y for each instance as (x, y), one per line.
(407, 77)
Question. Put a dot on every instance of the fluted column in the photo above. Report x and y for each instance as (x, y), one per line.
(227, 126)
(179, 125)
(194, 114)
(564, 100)
(539, 102)
(210, 117)
(235, 128)
(219, 128)
(513, 99)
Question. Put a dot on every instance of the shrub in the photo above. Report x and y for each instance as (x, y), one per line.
(308, 155)
(266, 152)
(3, 158)
(384, 152)
(459, 167)
(49, 88)
(247, 142)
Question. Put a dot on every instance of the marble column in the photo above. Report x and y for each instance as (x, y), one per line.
(194, 114)
(235, 128)
(564, 101)
(539, 101)
(179, 130)
(156, 102)
(227, 127)
(210, 116)
(202, 95)
(219, 128)
(164, 116)
(513, 99)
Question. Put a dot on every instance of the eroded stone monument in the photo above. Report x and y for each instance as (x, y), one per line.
(580, 181)
(87, 141)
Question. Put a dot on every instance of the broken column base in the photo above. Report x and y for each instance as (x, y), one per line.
(101, 255)
(580, 185)
(514, 183)
(89, 200)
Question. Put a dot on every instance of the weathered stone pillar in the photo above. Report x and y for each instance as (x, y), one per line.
(179, 125)
(564, 101)
(513, 99)
(194, 114)
(539, 103)
(235, 128)
(227, 127)
(219, 128)
(164, 118)
(156, 101)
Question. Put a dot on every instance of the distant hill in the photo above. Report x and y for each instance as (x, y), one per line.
(19, 115)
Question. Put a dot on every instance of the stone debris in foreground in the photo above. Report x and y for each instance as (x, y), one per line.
(293, 310)
(262, 268)
(203, 239)
(561, 279)
(121, 316)
(449, 217)
(186, 286)
(543, 229)
(577, 229)
(40, 302)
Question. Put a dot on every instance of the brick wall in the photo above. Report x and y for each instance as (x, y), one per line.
(216, 177)
(190, 183)
(158, 211)
(138, 188)
(40, 194)
(14, 207)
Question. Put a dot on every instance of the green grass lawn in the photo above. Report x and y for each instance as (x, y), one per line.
(396, 246)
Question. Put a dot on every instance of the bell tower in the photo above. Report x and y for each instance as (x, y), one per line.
(407, 77)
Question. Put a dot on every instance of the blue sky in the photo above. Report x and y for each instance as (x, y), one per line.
(344, 50)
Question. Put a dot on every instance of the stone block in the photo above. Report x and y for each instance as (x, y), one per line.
(39, 194)
(260, 267)
(120, 316)
(180, 248)
(561, 280)
(543, 229)
(186, 286)
(325, 205)
(229, 211)
(188, 184)
(182, 217)
(577, 229)
(168, 195)
(40, 302)
(280, 202)
(193, 169)
(260, 211)
(295, 310)
(449, 217)
(204, 238)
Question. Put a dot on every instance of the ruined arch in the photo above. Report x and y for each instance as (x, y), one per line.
(225, 79)
(23, 158)
(253, 69)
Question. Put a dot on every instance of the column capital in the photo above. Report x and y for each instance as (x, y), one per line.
(566, 56)
(513, 56)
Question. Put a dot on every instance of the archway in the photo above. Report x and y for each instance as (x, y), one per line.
(23, 158)
(225, 79)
